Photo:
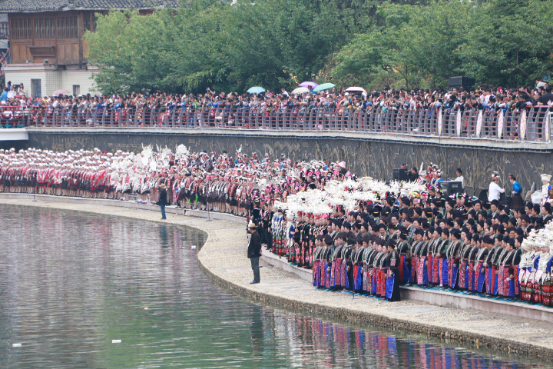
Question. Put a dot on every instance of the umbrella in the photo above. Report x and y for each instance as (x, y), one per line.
(256, 90)
(61, 92)
(300, 90)
(356, 89)
(324, 86)
(308, 84)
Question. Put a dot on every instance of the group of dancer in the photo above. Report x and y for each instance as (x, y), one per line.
(357, 234)
(370, 237)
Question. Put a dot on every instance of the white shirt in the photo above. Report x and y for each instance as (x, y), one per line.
(460, 179)
(494, 191)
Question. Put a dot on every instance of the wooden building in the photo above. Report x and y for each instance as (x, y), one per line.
(53, 30)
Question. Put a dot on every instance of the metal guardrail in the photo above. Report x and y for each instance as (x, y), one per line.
(533, 124)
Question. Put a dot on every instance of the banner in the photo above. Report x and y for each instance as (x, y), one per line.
(522, 125)
(546, 127)
(500, 124)
(440, 122)
(479, 124)
(458, 130)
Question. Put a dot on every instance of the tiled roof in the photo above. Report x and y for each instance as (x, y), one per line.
(34, 6)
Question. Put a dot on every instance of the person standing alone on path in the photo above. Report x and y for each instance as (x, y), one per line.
(254, 251)
(162, 199)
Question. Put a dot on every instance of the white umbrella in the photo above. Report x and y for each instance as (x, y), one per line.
(300, 90)
(356, 89)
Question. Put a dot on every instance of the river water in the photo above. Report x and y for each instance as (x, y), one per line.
(82, 290)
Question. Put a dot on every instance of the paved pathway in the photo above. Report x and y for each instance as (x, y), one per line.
(224, 258)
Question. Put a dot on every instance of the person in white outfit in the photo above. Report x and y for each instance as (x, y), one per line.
(494, 191)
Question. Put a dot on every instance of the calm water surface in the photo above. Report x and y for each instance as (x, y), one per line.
(72, 284)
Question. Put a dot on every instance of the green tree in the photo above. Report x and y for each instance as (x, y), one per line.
(500, 42)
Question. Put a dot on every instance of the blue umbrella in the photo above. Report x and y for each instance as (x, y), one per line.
(324, 86)
(256, 90)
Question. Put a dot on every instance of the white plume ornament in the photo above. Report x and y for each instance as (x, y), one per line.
(181, 150)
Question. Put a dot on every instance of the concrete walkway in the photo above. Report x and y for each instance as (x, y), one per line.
(223, 258)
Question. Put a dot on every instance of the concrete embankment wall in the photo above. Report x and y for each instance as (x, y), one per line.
(366, 154)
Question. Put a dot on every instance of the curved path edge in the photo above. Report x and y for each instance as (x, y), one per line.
(223, 259)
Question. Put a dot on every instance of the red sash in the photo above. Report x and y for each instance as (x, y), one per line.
(401, 266)
(429, 268)
(517, 285)
(436, 267)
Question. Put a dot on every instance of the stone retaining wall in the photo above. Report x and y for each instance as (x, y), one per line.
(375, 155)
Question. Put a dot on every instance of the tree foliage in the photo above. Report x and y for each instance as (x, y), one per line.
(498, 42)
(278, 43)
(213, 44)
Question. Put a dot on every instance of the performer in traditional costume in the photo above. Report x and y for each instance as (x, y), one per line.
(392, 279)
(453, 257)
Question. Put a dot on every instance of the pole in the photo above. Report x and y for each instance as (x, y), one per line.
(208, 215)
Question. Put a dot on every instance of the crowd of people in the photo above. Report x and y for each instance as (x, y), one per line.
(357, 234)
(223, 108)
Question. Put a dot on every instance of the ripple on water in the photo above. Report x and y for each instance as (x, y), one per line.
(80, 290)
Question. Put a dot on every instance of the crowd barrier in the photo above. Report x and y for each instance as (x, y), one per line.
(531, 124)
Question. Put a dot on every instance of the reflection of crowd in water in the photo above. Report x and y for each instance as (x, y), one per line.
(335, 344)
(357, 234)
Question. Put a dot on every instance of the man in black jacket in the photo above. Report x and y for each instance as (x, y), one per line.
(254, 251)
(162, 199)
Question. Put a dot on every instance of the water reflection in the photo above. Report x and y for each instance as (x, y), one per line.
(71, 283)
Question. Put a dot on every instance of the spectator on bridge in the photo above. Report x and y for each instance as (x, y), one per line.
(546, 98)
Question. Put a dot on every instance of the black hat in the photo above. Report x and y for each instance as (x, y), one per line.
(419, 232)
(428, 212)
(405, 200)
(391, 243)
(495, 202)
(456, 233)
(328, 240)
(367, 238)
(346, 225)
(438, 202)
(403, 236)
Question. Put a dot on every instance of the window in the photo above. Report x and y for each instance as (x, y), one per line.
(45, 28)
(67, 27)
(76, 90)
(36, 88)
(21, 28)
(89, 22)
(4, 30)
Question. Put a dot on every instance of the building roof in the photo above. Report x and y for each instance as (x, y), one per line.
(36, 6)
